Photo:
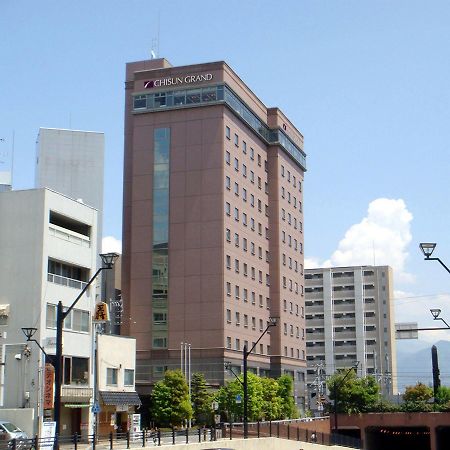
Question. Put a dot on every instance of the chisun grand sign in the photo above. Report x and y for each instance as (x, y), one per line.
(173, 81)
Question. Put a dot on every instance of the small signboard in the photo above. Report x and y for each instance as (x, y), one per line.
(238, 398)
(215, 406)
(47, 435)
(217, 418)
(406, 330)
(101, 313)
(49, 378)
(96, 408)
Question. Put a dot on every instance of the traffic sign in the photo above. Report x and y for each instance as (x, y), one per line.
(238, 398)
(96, 408)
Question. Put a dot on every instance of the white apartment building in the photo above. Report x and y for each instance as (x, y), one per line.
(48, 252)
(349, 318)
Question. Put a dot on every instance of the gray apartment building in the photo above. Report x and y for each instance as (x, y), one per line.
(349, 318)
(213, 225)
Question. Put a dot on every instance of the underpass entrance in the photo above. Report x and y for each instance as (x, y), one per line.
(398, 438)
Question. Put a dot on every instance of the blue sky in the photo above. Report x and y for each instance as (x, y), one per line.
(365, 81)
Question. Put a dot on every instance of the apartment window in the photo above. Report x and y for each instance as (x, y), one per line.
(244, 147)
(253, 323)
(267, 303)
(282, 192)
(111, 376)
(284, 282)
(245, 292)
(236, 214)
(282, 171)
(227, 182)
(244, 244)
(259, 205)
(238, 318)
(236, 189)
(252, 223)
(67, 275)
(252, 153)
(128, 377)
(244, 170)
(77, 319)
(253, 273)
(267, 256)
(267, 279)
(236, 292)
(253, 298)
(75, 370)
(260, 252)
(289, 218)
(236, 140)
(252, 248)
(160, 318)
(299, 186)
(228, 342)
(236, 265)
(283, 213)
(288, 175)
(227, 208)
(252, 200)
(284, 259)
(228, 235)
(259, 182)
(244, 194)
(283, 236)
(245, 320)
(236, 164)
(252, 176)
(293, 180)
(236, 239)
(285, 351)
(228, 288)
(266, 188)
(229, 315)
(228, 132)
(289, 197)
(159, 342)
(228, 261)
(244, 219)
(291, 329)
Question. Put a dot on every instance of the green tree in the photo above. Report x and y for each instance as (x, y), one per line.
(272, 404)
(417, 398)
(201, 400)
(170, 399)
(285, 392)
(355, 395)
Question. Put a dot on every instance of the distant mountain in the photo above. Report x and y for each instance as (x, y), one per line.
(415, 365)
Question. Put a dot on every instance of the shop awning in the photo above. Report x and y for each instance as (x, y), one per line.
(76, 405)
(120, 398)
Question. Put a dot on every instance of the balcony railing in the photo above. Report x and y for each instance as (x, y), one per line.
(64, 281)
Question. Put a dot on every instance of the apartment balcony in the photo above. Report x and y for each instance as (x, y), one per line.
(74, 394)
(64, 281)
(344, 349)
(314, 309)
(345, 335)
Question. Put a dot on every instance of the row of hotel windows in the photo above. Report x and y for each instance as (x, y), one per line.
(287, 174)
(291, 220)
(367, 287)
(244, 147)
(288, 352)
(294, 199)
(245, 242)
(341, 329)
(292, 263)
(291, 331)
(244, 219)
(293, 285)
(341, 315)
(245, 270)
(244, 195)
(340, 301)
(237, 295)
(292, 242)
(291, 308)
(244, 172)
(310, 276)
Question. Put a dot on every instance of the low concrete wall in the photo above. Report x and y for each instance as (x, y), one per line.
(257, 444)
(21, 417)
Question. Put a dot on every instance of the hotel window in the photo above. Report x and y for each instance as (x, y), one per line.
(252, 223)
(244, 194)
(128, 378)
(228, 288)
(244, 219)
(227, 157)
(244, 244)
(282, 171)
(236, 292)
(285, 328)
(259, 252)
(289, 197)
(236, 189)
(252, 248)
(284, 259)
(267, 256)
(259, 182)
(283, 213)
(253, 273)
(111, 376)
(261, 325)
(236, 239)
(259, 205)
(267, 279)
(291, 328)
(261, 348)
(227, 208)
(259, 229)
(252, 200)
(244, 170)
(238, 319)
(252, 153)
(228, 260)
(283, 235)
(294, 180)
(238, 344)
(228, 342)
(227, 182)
(261, 303)
(259, 160)
(288, 175)
(236, 214)
(252, 176)
(245, 320)
(228, 234)
(260, 276)
(282, 192)
(236, 265)
(229, 315)
(236, 140)
(244, 147)
(236, 164)
(228, 132)
(253, 298)
(253, 323)
(245, 293)
(245, 269)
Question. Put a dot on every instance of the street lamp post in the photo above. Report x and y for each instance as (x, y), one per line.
(108, 260)
(336, 386)
(272, 323)
(436, 312)
(427, 250)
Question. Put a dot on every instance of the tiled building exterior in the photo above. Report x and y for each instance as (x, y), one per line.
(213, 224)
(350, 317)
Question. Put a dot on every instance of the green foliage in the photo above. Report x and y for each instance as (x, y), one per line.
(285, 391)
(201, 400)
(418, 393)
(170, 399)
(268, 399)
(355, 395)
(443, 395)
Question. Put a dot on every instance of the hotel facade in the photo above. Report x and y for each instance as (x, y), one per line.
(213, 225)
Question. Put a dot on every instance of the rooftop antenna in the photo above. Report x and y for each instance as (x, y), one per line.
(154, 52)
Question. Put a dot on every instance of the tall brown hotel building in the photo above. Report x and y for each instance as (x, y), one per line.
(213, 225)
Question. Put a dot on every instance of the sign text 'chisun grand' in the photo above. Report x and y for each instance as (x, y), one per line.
(173, 81)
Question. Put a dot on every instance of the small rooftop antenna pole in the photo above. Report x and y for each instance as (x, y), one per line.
(154, 52)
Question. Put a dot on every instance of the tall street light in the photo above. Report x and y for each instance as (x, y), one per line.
(272, 323)
(108, 260)
(427, 250)
(435, 312)
(29, 332)
(338, 386)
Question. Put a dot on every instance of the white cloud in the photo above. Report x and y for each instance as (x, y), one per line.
(312, 263)
(111, 244)
(381, 238)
